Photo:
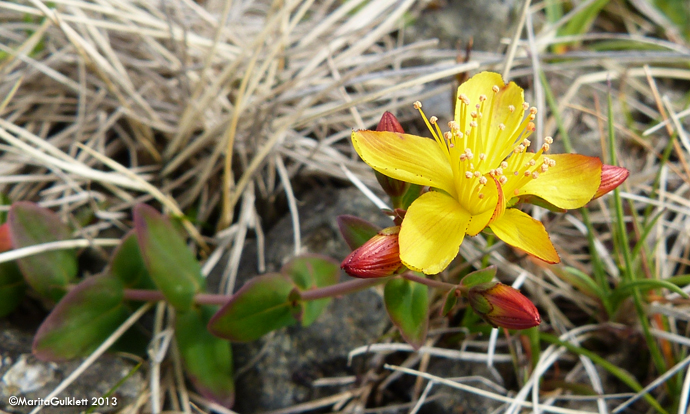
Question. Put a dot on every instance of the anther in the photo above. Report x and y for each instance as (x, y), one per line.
(417, 105)
(535, 175)
(482, 156)
(515, 173)
(548, 140)
(481, 196)
(527, 174)
(531, 127)
(464, 99)
(448, 135)
(463, 157)
(503, 179)
(499, 171)
(477, 174)
(471, 166)
(511, 108)
(473, 114)
(482, 98)
(532, 163)
(525, 105)
(453, 126)
(504, 165)
(545, 147)
(482, 180)
(433, 120)
(501, 126)
(531, 117)
(516, 192)
(495, 88)
(533, 110)
(468, 174)
(521, 148)
(473, 124)
(544, 168)
(526, 142)
(477, 106)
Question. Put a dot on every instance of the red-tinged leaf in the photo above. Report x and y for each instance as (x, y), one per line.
(312, 272)
(12, 287)
(407, 304)
(128, 265)
(207, 359)
(47, 273)
(82, 320)
(479, 276)
(171, 265)
(264, 304)
(356, 231)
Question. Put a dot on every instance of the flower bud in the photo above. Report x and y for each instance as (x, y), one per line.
(5, 242)
(503, 306)
(394, 188)
(611, 177)
(378, 257)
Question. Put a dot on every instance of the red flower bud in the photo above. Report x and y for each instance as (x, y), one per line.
(611, 177)
(389, 123)
(503, 306)
(378, 257)
(5, 242)
(394, 188)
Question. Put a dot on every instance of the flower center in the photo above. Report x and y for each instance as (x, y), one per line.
(487, 154)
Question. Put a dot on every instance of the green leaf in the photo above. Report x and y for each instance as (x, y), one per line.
(479, 276)
(449, 303)
(82, 320)
(356, 231)
(261, 306)
(128, 265)
(412, 193)
(170, 264)
(312, 272)
(207, 359)
(407, 304)
(626, 289)
(581, 281)
(12, 287)
(47, 273)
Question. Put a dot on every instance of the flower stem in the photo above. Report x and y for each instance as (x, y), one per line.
(429, 282)
(145, 295)
(344, 288)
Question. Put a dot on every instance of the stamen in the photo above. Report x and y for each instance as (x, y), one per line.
(533, 110)
(535, 175)
(495, 88)
(515, 173)
(417, 105)
(548, 140)
(481, 196)
(463, 157)
(531, 127)
(473, 114)
(498, 171)
(503, 179)
(482, 98)
(477, 174)
(526, 142)
(511, 108)
(504, 165)
(532, 163)
(482, 180)
(545, 147)
(433, 120)
(453, 126)
(482, 156)
(501, 126)
(464, 99)
(448, 135)
(473, 124)
(525, 105)
(544, 168)
(527, 174)
(468, 174)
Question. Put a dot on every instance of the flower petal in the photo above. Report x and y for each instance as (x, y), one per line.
(571, 183)
(410, 158)
(432, 231)
(521, 231)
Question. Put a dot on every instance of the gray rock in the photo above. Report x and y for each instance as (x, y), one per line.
(292, 358)
(22, 375)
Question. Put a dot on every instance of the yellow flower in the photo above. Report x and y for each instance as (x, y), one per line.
(475, 171)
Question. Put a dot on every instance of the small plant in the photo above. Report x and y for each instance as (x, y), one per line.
(472, 178)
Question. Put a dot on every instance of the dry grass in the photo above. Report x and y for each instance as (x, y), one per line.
(113, 103)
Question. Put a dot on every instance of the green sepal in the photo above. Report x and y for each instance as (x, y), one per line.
(262, 305)
(47, 273)
(356, 231)
(479, 276)
(82, 320)
(169, 262)
(312, 272)
(407, 304)
(207, 359)
(413, 192)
